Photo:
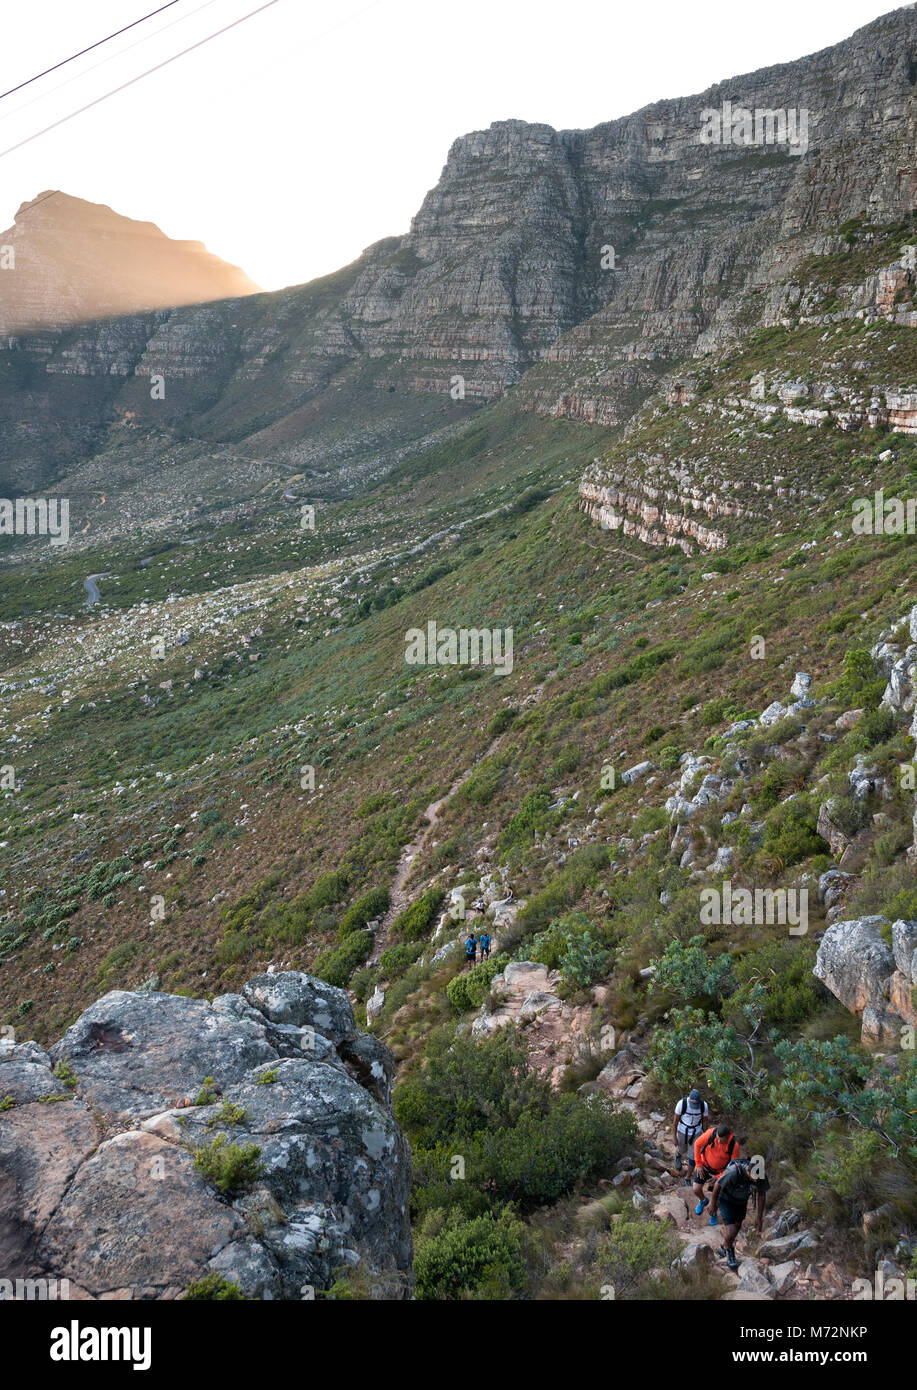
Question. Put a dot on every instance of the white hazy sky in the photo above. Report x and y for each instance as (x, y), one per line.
(300, 137)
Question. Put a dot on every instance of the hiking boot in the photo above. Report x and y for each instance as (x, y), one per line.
(699, 1209)
(731, 1259)
(714, 1221)
(688, 1180)
(722, 1251)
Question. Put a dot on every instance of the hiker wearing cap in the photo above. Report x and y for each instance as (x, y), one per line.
(730, 1195)
(692, 1117)
(712, 1151)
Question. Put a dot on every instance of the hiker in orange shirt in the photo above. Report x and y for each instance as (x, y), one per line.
(712, 1151)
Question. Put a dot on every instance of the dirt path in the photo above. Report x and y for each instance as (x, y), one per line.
(399, 898)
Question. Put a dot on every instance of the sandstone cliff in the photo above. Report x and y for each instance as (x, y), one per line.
(575, 267)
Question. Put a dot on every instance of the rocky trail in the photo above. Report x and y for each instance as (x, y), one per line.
(780, 1264)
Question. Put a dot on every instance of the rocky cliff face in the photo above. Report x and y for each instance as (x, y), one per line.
(66, 260)
(101, 1181)
(574, 266)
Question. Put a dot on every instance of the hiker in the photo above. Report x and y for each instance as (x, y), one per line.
(479, 905)
(692, 1116)
(731, 1192)
(485, 940)
(471, 949)
(712, 1151)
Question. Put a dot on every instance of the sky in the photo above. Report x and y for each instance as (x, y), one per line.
(311, 130)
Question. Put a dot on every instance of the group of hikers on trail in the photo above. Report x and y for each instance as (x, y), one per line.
(484, 941)
(716, 1162)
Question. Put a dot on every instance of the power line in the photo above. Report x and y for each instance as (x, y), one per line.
(112, 57)
(124, 85)
(98, 44)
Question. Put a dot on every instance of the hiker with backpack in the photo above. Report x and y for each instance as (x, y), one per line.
(731, 1191)
(712, 1151)
(485, 942)
(471, 949)
(692, 1117)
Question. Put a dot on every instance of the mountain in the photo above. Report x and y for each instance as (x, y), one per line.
(500, 282)
(69, 260)
(684, 807)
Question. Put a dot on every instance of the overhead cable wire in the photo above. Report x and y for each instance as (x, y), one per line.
(98, 44)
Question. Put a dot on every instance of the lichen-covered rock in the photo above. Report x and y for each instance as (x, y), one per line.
(100, 1186)
(299, 999)
(870, 977)
(829, 830)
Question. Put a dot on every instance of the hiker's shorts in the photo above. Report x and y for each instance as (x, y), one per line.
(685, 1143)
(703, 1174)
(732, 1213)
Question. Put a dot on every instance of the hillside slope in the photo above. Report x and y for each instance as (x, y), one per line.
(228, 763)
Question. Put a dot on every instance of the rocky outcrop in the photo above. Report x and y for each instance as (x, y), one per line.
(870, 977)
(101, 1181)
(656, 514)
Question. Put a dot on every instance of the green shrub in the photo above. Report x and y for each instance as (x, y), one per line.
(481, 787)
(214, 1288)
(531, 819)
(229, 1167)
(327, 890)
(373, 904)
(500, 722)
(859, 686)
(568, 945)
(396, 959)
(875, 727)
(584, 961)
(416, 920)
(118, 958)
(469, 990)
(791, 996)
(631, 1249)
(65, 1073)
(543, 1156)
(467, 1086)
(521, 1141)
(790, 835)
(338, 964)
(481, 1258)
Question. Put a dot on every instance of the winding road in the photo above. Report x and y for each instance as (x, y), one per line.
(92, 589)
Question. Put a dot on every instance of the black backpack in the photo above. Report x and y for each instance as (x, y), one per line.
(730, 1148)
(735, 1182)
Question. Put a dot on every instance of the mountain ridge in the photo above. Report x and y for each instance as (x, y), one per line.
(76, 260)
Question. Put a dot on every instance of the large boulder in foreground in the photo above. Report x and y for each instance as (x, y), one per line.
(98, 1182)
(870, 977)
